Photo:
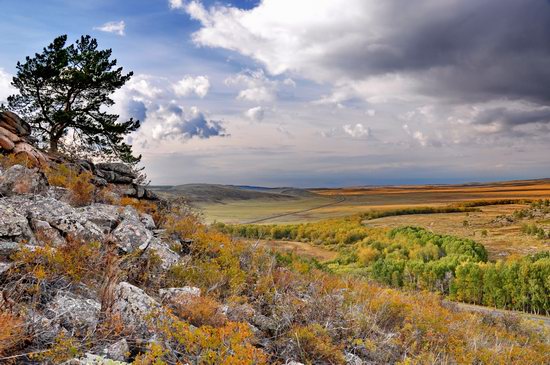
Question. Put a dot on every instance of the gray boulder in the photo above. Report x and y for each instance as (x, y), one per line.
(105, 216)
(131, 233)
(91, 359)
(21, 180)
(78, 315)
(133, 306)
(5, 266)
(14, 226)
(172, 294)
(117, 351)
(162, 251)
(352, 359)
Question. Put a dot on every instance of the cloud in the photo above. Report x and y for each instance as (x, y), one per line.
(257, 86)
(113, 27)
(357, 130)
(192, 85)
(175, 124)
(156, 101)
(176, 4)
(447, 52)
(5, 86)
(255, 114)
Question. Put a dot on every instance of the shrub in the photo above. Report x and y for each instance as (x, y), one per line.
(12, 332)
(75, 260)
(314, 345)
(79, 184)
(199, 311)
(225, 345)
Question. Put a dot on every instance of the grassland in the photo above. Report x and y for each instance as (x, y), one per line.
(481, 224)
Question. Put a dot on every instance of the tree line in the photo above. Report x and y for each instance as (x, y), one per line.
(415, 258)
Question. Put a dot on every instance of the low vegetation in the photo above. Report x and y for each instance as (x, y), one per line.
(416, 258)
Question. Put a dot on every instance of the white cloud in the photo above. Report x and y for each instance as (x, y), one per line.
(257, 86)
(176, 123)
(357, 131)
(371, 112)
(142, 86)
(176, 4)
(5, 86)
(192, 85)
(113, 27)
(255, 114)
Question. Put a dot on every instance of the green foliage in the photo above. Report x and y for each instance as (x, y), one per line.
(65, 89)
(534, 230)
(416, 258)
(420, 210)
(520, 284)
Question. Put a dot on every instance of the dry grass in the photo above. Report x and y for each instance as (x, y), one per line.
(500, 240)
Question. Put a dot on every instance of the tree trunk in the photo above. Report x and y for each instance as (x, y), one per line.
(54, 143)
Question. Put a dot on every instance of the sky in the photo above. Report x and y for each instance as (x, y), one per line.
(315, 93)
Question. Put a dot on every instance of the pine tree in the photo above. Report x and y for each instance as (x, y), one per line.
(65, 92)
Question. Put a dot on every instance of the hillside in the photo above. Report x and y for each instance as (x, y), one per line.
(113, 280)
(213, 193)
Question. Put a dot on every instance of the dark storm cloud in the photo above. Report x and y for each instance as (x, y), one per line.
(471, 50)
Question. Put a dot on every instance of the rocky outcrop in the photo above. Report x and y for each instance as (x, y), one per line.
(20, 180)
(15, 138)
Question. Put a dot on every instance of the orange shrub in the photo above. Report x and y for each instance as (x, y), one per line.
(79, 184)
(12, 332)
(199, 311)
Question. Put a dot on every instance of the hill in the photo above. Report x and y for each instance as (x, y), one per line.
(214, 193)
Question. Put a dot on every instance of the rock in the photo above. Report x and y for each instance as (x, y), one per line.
(105, 216)
(20, 180)
(265, 324)
(133, 306)
(59, 215)
(78, 227)
(10, 136)
(164, 253)
(14, 124)
(46, 233)
(119, 168)
(117, 351)
(170, 295)
(6, 143)
(131, 233)
(294, 363)
(147, 221)
(14, 226)
(116, 173)
(5, 266)
(352, 359)
(45, 208)
(79, 316)
(91, 359)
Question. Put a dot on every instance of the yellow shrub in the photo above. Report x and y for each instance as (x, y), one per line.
(315, 345)
(75, 260)
(226, 345)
